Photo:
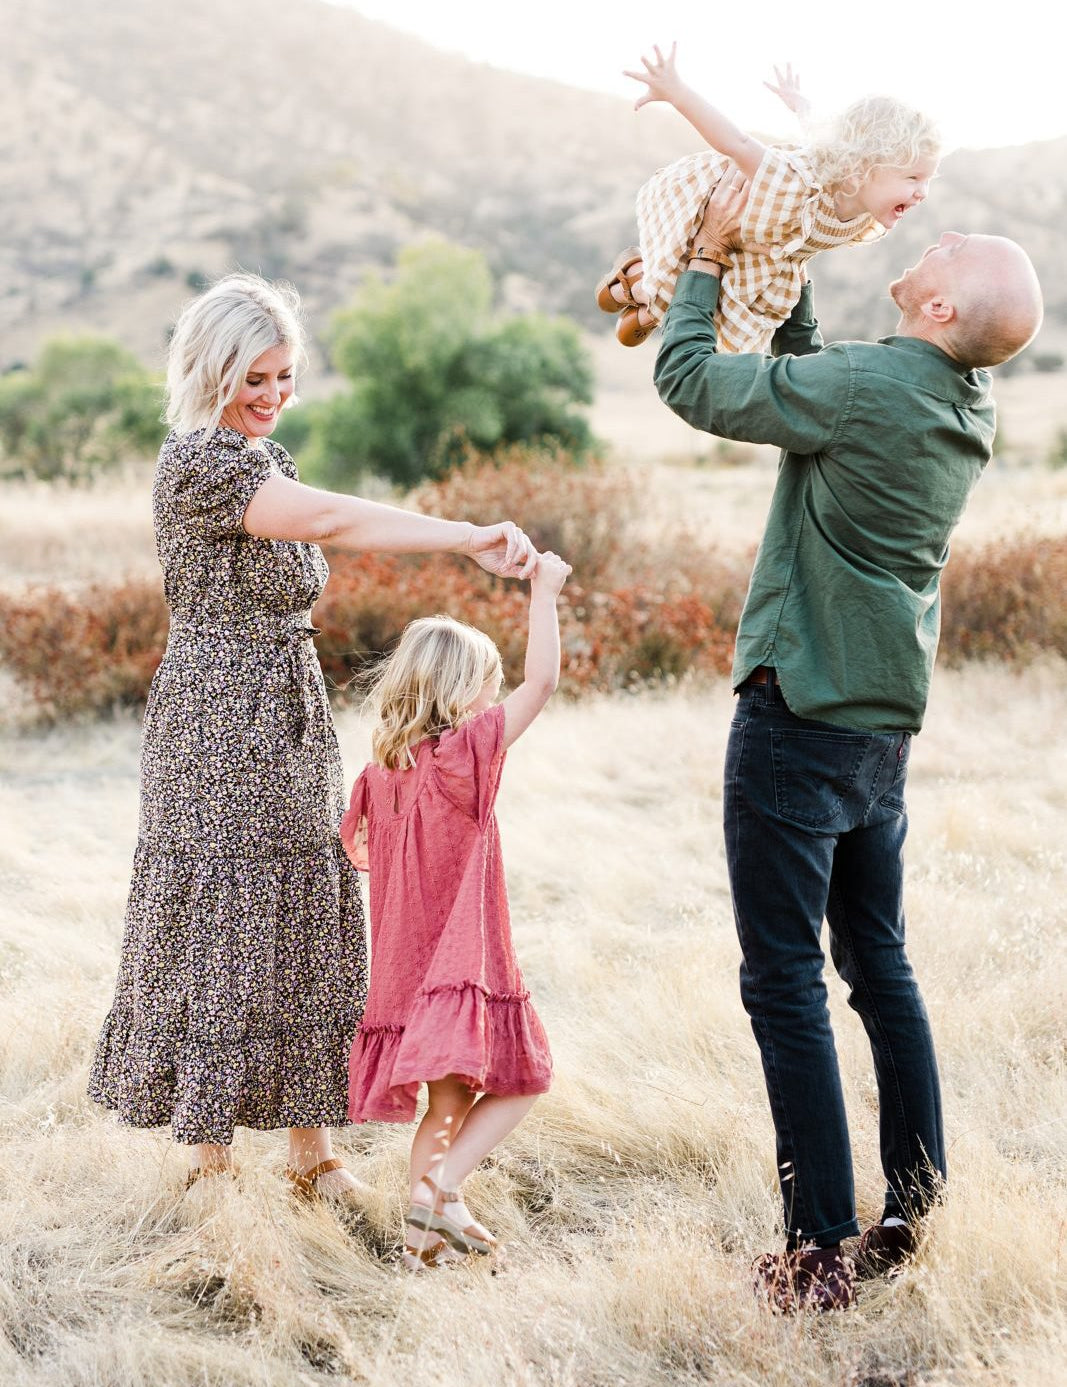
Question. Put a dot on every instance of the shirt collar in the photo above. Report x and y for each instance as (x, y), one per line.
(967, 384)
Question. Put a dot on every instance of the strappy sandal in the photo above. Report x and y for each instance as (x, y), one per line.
(305, 1189)
(206, 1172)
(605, 299)
(471, 1237)
(630, 330)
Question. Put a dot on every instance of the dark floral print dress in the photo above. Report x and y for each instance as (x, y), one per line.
(243, 967)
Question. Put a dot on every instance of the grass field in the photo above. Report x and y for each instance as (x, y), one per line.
(637, 1193)
(635, 1197)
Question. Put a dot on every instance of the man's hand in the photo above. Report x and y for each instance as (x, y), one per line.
(661, 78)
(788, 90)
(718, 236)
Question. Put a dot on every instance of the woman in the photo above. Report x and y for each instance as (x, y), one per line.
(243, 966)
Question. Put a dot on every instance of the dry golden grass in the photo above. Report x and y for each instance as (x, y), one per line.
(635, 1196)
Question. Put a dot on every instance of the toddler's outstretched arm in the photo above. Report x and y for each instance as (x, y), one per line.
(664, 84)
(541, 674)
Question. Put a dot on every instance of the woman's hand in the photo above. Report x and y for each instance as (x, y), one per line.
(661, 78)
(719, 234)
(503, 550)
(788, 91)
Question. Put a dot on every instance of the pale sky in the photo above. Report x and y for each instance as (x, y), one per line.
(989, 74)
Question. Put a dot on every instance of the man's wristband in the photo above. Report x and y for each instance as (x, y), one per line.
(701, 253)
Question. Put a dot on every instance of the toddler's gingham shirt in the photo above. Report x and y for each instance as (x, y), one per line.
(787, 215)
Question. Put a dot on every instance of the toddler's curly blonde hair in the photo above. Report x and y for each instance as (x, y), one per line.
(427, 685)
(875, 132)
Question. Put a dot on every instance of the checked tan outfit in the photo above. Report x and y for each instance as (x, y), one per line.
(787, 214)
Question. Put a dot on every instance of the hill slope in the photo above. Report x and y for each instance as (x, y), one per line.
(161, 143)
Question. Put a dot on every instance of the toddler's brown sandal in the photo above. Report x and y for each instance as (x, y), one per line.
(605, 299)
(630, 330)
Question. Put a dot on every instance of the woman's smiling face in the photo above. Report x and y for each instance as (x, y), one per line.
(267, 385)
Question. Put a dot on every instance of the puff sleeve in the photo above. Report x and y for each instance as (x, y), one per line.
(353, 830)
(215, 478)
(469, 763)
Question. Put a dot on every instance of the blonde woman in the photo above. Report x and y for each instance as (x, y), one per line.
(243, 965)
(447, 1005)
(851, 182)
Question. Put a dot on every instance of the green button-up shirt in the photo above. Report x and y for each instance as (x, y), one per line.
(882, 443)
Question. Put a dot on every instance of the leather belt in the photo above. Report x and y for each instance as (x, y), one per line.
(763, 675)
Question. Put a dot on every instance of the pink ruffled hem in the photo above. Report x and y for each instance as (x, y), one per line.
(492, 1040)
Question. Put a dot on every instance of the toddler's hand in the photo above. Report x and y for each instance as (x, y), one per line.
(788, 90)
(661, 78)
(551, 573)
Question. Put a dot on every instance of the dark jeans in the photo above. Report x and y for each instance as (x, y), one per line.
(815, 825)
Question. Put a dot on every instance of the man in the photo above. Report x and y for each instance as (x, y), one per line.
(882, 444)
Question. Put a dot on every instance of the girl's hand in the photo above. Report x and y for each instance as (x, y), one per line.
(661, 78)
(550, 574)
(502, 550)
(788, 90)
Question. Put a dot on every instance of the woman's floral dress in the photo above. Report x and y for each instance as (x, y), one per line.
(243, 967)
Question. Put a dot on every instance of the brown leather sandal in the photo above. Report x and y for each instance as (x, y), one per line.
(304, 1185)
(605, 299)
(204, 1172)
(630, 330)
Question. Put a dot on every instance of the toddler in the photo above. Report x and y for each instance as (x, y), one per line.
(852, 182)
(446, 1004)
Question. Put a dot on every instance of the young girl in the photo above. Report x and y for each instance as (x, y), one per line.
(851, 183)
(446, 1004)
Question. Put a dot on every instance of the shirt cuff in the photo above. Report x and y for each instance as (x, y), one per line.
(700, 289)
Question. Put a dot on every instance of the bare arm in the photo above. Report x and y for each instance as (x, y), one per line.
(285, 509)
(541, 674)
(664, 84)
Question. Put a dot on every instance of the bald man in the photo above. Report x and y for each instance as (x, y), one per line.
(882, 444)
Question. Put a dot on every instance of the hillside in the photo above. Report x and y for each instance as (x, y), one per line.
(159, 143)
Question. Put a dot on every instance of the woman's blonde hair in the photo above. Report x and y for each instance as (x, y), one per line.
(874, 132)
(218, 336)
(427, 685)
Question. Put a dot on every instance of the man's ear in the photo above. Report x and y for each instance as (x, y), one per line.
(939, 310)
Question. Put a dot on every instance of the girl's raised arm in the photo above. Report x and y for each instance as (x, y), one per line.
(542, 648)
(664, 84)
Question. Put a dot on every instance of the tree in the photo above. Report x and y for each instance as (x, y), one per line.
(433, 371)
(87, 403)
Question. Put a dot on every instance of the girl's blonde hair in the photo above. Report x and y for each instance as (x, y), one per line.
(874, 132)
(216, 339)
(427, 685)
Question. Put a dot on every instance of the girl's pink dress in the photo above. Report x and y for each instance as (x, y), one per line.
(446, 995)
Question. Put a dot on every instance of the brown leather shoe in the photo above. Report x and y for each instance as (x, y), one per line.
(815, 1278)
(630, 330)
(618, 274)
(885, 1249)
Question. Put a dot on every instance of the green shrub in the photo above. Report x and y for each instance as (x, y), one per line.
(434, 372)
(85, 405)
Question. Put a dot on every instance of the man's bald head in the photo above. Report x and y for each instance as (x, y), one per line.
(975, 297)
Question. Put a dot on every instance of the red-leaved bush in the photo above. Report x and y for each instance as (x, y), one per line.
(630, 614)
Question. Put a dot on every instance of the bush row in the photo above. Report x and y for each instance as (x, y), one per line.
(631, 613)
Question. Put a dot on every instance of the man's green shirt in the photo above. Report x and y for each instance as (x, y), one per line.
(882, 444)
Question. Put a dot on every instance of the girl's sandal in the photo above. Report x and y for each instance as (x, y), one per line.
(605, 299)
(463, 1237)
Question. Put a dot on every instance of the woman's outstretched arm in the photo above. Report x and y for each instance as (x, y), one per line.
(285, 509)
